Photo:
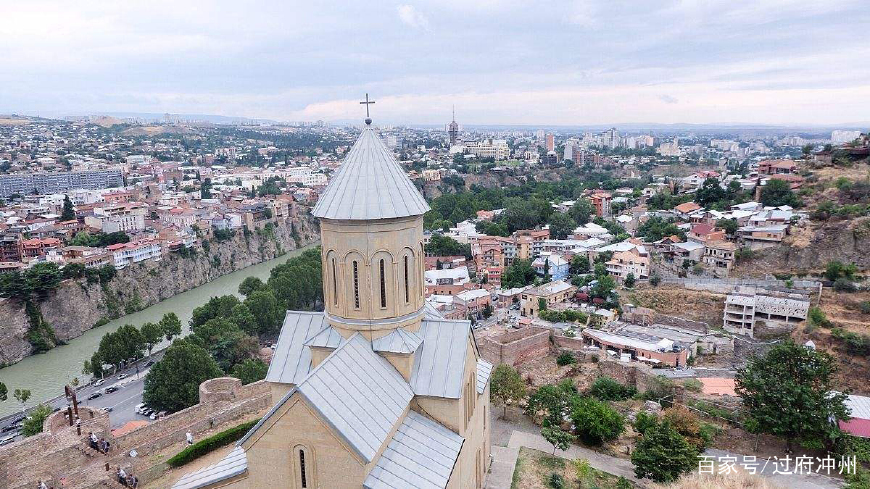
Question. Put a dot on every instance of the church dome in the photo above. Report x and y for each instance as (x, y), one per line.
(370, 185)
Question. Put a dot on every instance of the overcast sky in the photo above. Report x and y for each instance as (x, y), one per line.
(499, 62)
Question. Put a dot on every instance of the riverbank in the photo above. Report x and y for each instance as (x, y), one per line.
(77, 306)
(46, 374)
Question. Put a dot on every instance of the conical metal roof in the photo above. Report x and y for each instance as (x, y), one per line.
(370, 185)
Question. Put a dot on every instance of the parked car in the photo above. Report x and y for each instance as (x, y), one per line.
(112, 389)
(95, 395)
(99, 382)
(122, 376)
(8, 428)
(139, 407)
(8, 439)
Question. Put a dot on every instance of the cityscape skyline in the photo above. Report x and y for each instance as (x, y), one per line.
(572, 63)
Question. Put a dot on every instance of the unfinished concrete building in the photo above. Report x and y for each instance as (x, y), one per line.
(773, 309)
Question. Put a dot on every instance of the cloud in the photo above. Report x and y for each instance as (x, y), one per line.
(668, 99)
(412, 17)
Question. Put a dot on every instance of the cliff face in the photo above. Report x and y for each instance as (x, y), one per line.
(811, 248)
(76, 306)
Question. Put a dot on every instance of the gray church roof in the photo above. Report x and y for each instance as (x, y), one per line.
(370, 185)
(484, 369)
(439, 364)
(235, 463)
(421, 455)
(328, 337)
(291, 360)
(359, 394)
(399, 341)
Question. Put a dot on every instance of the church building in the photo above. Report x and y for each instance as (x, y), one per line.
(377, 391)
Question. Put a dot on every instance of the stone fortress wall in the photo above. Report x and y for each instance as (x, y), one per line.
(62, 458)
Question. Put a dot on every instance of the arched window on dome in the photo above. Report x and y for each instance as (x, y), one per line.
(383, 284)
(407, 294)
(355, 284)
(334, 284)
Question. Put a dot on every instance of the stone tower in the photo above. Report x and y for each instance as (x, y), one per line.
(371, 226)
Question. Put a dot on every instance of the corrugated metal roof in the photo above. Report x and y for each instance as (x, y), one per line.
(399, 341)
(370, 185)
(328, 337)
(859, 405)
(439, 364)
(233, 464)
(359, 394)
(292, 360)
(484, 369)
(421, 455)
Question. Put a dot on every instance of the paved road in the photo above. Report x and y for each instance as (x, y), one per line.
(121, 401)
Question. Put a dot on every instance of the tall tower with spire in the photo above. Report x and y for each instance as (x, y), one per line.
(453, 129)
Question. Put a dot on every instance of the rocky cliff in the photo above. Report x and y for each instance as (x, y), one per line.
(76, 305)
(808, 249)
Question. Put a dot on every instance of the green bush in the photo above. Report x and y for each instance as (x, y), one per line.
(210, 444)
(565, 358)
(644, 421)
(595, 421)
(865, 307)
(843, 284)
(557, 481)
(607, 389)
(693, 385)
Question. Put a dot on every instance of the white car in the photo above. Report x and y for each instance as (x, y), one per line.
(122, 376)
(99, 382)
(139, 407)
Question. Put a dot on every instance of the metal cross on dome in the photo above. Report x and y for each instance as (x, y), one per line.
(367, 103)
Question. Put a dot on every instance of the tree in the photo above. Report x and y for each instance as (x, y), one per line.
(172, 383)
(561, 225)
(663, 455)
(730, 226)
(507, 386)
(267, 313)
(251, 370)
(709, 192)
(595, 421)
(171, 325)
(558, 438)
(519, 274)
(152, 333)
(778, 192)
(225, 342)
(32, 425)
(579, 264)
(22, 396)
(119, 346)
(581, 211)
(250, 284)
(245, 319)
(789, 392)
(629, 280)
(607, 389)
(215, 307)
(687, 424)
(42, 278)
(68, 213)
(441, 245)
(551, 402)
(4, 392)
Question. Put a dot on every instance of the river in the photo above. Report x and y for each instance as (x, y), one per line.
(46, 374)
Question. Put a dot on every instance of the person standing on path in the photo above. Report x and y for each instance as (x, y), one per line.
(189, 438)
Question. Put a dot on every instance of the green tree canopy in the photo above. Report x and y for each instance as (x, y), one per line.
(789, 392)
(172, 383)
(171, 326)
(507, 386)
(440, 245)
(595, 421)
(581, 211)
(663, 455)
(267, 312)
(32, 425)
(68, 213)
(709, 193)
(561, 225)
(152, 333)
(251, 370)
(519, 274)
(249, 285)
(778, 192)
(215, 307)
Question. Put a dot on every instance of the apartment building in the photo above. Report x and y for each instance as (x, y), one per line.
(551, 293)
(124, 254)
(128, 218)
(58, 182)
(628, 262)
(748, 307)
